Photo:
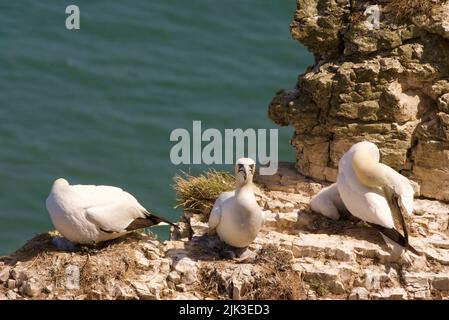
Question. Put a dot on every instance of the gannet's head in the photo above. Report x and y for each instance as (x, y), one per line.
(369, 172)
(367, 147)
(365, 163)
(60, 183)
(244, 170)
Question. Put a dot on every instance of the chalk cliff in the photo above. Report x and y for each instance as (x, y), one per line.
(298, 255)
(388, 85)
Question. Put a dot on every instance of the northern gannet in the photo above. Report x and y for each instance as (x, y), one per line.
(375, 193)
(236, 217)
(88, 214)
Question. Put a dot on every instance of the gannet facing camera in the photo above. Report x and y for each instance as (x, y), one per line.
(236, 217)
(375, 193)
(89, 214)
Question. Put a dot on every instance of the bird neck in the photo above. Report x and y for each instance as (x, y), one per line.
(368, 170)
(244, 194)
(246, 188)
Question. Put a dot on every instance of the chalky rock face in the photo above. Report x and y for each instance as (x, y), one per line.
(388, 85)
(298, 255)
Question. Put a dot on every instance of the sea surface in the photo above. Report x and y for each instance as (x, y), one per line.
(97, 105)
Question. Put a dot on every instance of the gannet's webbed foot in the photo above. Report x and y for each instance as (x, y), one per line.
(63, 244)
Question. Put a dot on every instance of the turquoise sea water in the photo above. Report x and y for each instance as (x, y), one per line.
(97, 105)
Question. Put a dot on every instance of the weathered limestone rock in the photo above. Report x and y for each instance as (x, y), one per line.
(31, 288)
(297, 255)
(436, 22)
(174, 277)
(11, 284)
(317, 24)
(359, 293)
(386, 85)
(143, 291)
(390, 294)
(4, 274)
(19, 276)
(441, 282)
(417, 284)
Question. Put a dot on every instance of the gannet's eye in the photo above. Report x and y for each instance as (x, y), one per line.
(241, 167)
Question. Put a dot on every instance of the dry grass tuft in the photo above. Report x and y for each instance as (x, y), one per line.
(317, 285)
(212, 284)
(405, 8)
(279, 281)
(401, 10)
(275, 281)
(198, 193)
(114, 262)
(356, 17)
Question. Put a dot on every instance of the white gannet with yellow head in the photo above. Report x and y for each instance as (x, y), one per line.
(375, 193)
(236, 217)
(89, 214)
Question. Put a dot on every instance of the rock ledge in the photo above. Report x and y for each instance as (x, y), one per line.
(299, 255)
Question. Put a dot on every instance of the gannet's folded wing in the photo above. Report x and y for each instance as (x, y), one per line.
(215, 217)
(215, 214)
(402, 187)
(115, 217)
(91, 195)
(365, 204)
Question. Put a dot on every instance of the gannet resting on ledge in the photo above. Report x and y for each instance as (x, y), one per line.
(328, 202)
(88, 214)
(236, 217)
(375, 193)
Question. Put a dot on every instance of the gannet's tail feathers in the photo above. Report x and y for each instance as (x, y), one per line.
(149, 220)
(396, 237)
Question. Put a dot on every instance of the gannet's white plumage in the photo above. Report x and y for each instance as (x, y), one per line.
(236, 217)
(375, 193)
(88, 214)
(328, 202)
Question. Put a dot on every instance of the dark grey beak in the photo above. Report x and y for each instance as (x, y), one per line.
(242, 170)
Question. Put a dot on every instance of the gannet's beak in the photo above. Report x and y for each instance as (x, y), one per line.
(242, 169)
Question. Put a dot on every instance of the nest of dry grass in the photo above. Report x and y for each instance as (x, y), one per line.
(115, 262)
(275, 281)
(198, 193)
(279, 281)
(401, 10)
(405, 8)
(212, 284)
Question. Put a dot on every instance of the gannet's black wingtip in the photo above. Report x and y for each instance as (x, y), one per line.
(158, 220)
(396, 236)
(412, 250)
